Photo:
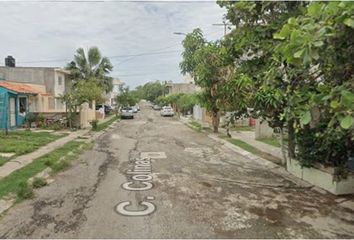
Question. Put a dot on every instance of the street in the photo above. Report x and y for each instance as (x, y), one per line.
(153, 177)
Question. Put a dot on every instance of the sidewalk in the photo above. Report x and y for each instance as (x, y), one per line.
(24, 160)
(106, 119)
(249, 137)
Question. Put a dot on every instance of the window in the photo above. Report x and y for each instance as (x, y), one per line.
(23, 104)
(60, 80)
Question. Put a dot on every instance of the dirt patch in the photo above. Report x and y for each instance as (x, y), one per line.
(206, 184)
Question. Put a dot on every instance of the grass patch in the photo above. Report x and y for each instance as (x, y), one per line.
(11, 183)
(22, 142)
(270, 141)
(244, 145)
(194, 125)
(251, 149)
(24, 191)
(106, 124)
(243, 128)
(3, 160)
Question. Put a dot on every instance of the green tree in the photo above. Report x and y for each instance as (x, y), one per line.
(319, 44)
(83, 91)
(207, 63)
(186, 102)
(125, 97)
(251, 44)
(91, 66)
(299, 57)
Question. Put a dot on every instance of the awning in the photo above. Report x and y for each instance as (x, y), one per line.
(19, 88)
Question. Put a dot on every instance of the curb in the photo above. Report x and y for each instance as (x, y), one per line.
(273, 167)
(193, 127)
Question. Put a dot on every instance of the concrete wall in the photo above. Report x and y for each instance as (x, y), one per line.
(51, 81)
(87, 114)
(320, 178)
(198, 113)
(175, 88)
(43, 76)
(263, 130)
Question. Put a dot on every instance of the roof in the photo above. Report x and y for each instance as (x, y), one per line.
(62, 70)
(19, 87)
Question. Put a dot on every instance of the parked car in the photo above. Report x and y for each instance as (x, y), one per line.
(135, 110)
(107, 108)
(156, 107)
(127, 112)
(167, 111)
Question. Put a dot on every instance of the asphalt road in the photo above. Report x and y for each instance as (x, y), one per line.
(153, 177)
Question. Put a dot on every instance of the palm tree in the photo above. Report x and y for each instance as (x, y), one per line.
(91, 67)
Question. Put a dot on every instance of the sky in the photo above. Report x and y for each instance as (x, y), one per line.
(137, 36)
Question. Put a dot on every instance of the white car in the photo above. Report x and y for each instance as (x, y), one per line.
(167, 111)
(127, 112)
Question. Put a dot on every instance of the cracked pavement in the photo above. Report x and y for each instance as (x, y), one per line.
(201, 189)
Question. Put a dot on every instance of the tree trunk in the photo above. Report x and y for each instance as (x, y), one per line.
(291, 140)
(215, 120)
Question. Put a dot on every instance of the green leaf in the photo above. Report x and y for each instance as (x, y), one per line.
(347, 97)
(314, 9)
(318, 43)
(292, 21)
(305, 118)
(314, 54)
(347, 122)
(334, 104)
(325, 98)
(307, 58)
(278, 36)
(349, 22)
(299, 53)
(284, 32)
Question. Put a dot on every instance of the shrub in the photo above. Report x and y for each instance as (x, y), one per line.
(55, 126)
(30, 118)
(60, 165)
(49, 162)
(24, 191)
(39, 182)
(94, 124)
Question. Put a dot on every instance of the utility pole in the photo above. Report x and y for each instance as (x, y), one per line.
(225, 24)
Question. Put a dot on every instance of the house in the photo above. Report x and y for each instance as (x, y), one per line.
(111, 97)
(51, 82)
(14, 103)
(175, 88)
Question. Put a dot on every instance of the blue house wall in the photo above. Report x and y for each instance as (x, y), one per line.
(4, 108)
(4, 97)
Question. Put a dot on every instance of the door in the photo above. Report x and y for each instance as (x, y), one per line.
(12, 112)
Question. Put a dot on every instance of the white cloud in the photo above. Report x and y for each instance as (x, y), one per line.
(33, 31)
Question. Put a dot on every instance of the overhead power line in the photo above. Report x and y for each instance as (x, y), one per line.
(142, 74)
(116, 56)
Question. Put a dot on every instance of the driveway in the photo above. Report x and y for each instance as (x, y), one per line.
(153, 177)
